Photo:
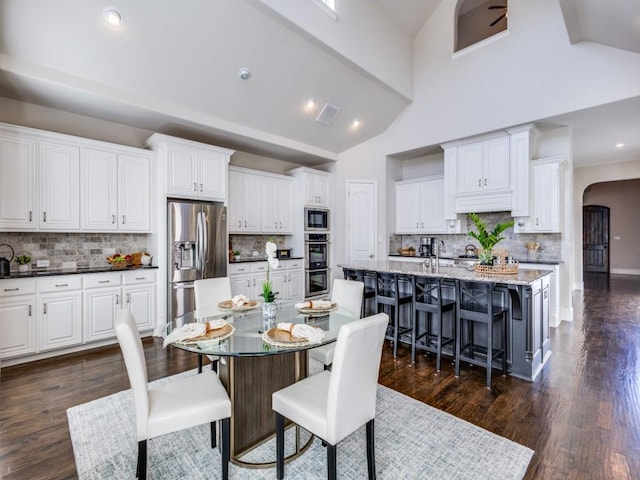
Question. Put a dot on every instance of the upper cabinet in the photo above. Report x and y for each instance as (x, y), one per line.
(317, 185)
(546, 208)
(17, 181)
(55, 182)
(116, 190)
(483, 166)
(192, 170)
(420, 206)
(244, 202)
(276, 199)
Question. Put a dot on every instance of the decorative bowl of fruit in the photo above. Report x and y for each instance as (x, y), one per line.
(117, 260)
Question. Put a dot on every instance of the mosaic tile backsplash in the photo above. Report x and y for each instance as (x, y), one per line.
(513, 242)
(247, 244)
(86, 249)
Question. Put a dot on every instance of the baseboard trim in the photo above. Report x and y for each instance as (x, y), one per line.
(625, 271)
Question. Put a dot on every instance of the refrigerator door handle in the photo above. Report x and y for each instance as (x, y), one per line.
(205, 245)
(200, 247)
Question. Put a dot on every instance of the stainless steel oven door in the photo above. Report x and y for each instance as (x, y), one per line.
(316, 282)
(317, 255)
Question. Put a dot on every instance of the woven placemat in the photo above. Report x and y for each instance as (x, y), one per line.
(215, 334)
(282, 338)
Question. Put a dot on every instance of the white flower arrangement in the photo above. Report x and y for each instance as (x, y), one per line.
(272, 263)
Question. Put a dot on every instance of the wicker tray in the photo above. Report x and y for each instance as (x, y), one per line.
(499, 269)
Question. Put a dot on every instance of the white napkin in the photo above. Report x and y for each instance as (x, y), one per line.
(315, 304)
(301, 330)
(192, 330)
(239, 300)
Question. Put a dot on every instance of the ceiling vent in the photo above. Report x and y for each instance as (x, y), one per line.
(328, 114)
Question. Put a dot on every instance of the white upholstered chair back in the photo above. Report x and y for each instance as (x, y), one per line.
(351, 398)
(209, 292)
(133, 353)
(348, 295)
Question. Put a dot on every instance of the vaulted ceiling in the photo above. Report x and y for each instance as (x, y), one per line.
(175, 69)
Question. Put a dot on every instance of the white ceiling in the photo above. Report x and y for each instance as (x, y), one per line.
(174, 69)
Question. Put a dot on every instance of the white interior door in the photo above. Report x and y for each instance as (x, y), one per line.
(362, 229)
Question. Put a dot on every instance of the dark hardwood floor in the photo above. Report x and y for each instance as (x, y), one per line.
(581, 416)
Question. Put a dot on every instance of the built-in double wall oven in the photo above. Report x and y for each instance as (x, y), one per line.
(316, 264)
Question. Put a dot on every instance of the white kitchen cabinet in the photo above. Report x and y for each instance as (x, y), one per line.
(139, 293)
(116, 190)
(102, 299)
(59, 312)
(58, 186)
(17, 317)
(17, 181)
(522, 148)
(288, 280)
(276, 196)
(546, 208)
(483, 165)
(244, 209)
(314, 186)
(420, 206)
(246, 279)
(193, 169)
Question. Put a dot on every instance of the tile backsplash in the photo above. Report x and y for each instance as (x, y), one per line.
(513, 242)
(86, 249)
(247, 244)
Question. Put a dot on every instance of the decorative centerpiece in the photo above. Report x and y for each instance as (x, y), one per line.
(23, 262)
(269, 307)
(488, 240)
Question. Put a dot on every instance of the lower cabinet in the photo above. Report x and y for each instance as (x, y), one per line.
(17, 317)
(246, 279)
(45, 314)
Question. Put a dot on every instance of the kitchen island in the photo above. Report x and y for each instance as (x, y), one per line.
(527, 298)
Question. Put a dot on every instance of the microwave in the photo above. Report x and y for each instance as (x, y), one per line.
(316, 219)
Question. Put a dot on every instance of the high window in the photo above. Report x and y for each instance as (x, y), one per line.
(477, 20)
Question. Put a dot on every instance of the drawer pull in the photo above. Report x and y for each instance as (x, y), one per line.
(11, 289)
(63, 285)
(104, 281)
(141, 278)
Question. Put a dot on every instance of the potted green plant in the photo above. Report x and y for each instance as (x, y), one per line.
(487, 239)
(23, 262)
(236, 255)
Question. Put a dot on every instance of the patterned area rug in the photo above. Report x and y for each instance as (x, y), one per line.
(413, 440)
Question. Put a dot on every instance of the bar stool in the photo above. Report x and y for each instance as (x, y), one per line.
(428, 299)
(390, 296)
(474, 304)
(366, 277)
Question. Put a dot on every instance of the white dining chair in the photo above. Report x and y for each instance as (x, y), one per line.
(348, 295)
(333, 404)
(209, 292)
(174, 406)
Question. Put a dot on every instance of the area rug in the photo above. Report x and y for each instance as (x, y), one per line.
(413, 441)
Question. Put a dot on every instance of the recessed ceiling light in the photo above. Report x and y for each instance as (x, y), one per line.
(355, 123)
(619, 145)
(311, 103)
(113, 16)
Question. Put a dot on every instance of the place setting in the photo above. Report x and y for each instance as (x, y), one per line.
(193, 333)
(238, 303)
(316, 306)
(286, 334)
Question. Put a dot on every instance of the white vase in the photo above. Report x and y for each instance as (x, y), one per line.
(23, 268)
(268, 315)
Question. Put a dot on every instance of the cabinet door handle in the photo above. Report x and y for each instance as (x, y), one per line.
(245, 224)
(239, 223)
(537, 221)
(62, 285)
(29, 310)
(201, 189)
(248, 283)
(417, 224)
(195, 187)
(422, 226)
(44, 216)
(485, 182)
(128, 298)
(479, 182)
(11, 289)
(113, 219)
(276, 225)
(44, 309)
(30, 216)
(117, 299)
(124, 220)
(254, 282)
(280, 223)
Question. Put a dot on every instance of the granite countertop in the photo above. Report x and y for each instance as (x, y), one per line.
(260, 259)
(523, 277)
(72, 271)
(540, 260)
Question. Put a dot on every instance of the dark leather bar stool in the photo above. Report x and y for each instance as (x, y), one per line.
(366, 277)
(428, 329)
(389, 295)
(475, 306)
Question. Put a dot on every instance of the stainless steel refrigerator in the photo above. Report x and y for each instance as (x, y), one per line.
(197, 236)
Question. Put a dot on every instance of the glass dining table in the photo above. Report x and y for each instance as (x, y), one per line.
(257, 361)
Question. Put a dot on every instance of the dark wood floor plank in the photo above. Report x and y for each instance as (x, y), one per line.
(581, 415)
